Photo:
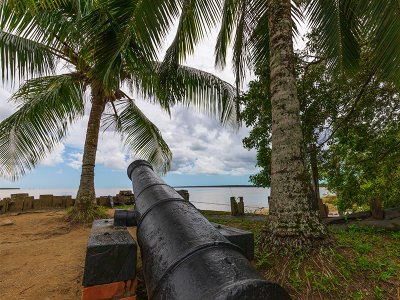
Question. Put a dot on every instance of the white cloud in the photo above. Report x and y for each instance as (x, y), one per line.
(6, 108)
(75, 160)
(198, 143)
(55, 157)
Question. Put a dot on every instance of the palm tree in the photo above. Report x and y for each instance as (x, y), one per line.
(105, 47)
(261, 32)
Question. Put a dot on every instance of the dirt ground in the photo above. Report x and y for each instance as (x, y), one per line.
(41, 257)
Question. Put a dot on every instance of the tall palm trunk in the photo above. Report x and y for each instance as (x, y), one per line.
(292, 221)
(86, 194)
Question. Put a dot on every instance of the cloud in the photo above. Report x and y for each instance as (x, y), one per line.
(200, 145)
(6, 108)
(75, 160)
(55, 157)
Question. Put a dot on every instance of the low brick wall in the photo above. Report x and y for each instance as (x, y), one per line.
(24, 202)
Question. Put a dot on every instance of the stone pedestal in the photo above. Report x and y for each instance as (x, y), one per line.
(110, 254)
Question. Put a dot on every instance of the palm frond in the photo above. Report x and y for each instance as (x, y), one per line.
(21, 57)
(228, 22)
(34, 4)
(48, 26)
(381, 28)
(205, 92)
(196, 20)
(140, 135)
(190, 87)
(247, 20)
(337, 24)
(111, 42)
(240, 44)
(259, 42)
(46, 106)
(153, 21)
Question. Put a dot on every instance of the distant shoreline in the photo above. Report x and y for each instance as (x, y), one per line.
(214, 186)
(9, 188)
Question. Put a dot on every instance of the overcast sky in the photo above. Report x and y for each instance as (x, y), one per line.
(204, 153)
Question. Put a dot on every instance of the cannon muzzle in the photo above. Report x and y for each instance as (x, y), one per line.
(183, 255)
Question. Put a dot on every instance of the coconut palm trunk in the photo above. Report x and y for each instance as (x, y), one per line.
(291, 221)
(86, 193)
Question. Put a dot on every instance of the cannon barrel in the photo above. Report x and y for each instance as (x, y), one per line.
(183, 255)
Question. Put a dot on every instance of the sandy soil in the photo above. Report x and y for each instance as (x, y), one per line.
(41, 257)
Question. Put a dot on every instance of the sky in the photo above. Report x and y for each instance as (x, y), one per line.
(204, 152)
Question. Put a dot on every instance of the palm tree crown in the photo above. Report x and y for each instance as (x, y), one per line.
(106, 46)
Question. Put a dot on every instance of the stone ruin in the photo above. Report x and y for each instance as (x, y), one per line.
(122, 198)
(24, 202)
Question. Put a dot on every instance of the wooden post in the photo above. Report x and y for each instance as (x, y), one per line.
(323, 209)
(376, 208)
(241, 207)
(234, 207)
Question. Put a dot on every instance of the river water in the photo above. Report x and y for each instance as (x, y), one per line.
(211, 198)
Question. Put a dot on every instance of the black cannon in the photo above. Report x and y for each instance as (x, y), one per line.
(184, 256)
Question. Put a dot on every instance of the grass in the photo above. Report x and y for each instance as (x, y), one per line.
(124, 206)
(86, 217)
(361, 263)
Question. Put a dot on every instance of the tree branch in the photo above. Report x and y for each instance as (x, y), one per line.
(352, 109)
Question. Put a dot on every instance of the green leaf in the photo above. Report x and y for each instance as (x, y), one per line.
(203, 91)
(140, 135)
(21, 57)
(225, 33)
(46, 107)
(381, 24)
(196, 20)
(338, 26)
(34, 4)
(153, 21)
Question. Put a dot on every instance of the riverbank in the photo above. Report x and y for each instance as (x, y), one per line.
(42, 257)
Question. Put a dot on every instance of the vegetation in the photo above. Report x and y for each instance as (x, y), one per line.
(261, 33)
(350, 129)
(362, 263)
(104, 47)
(263, 37)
